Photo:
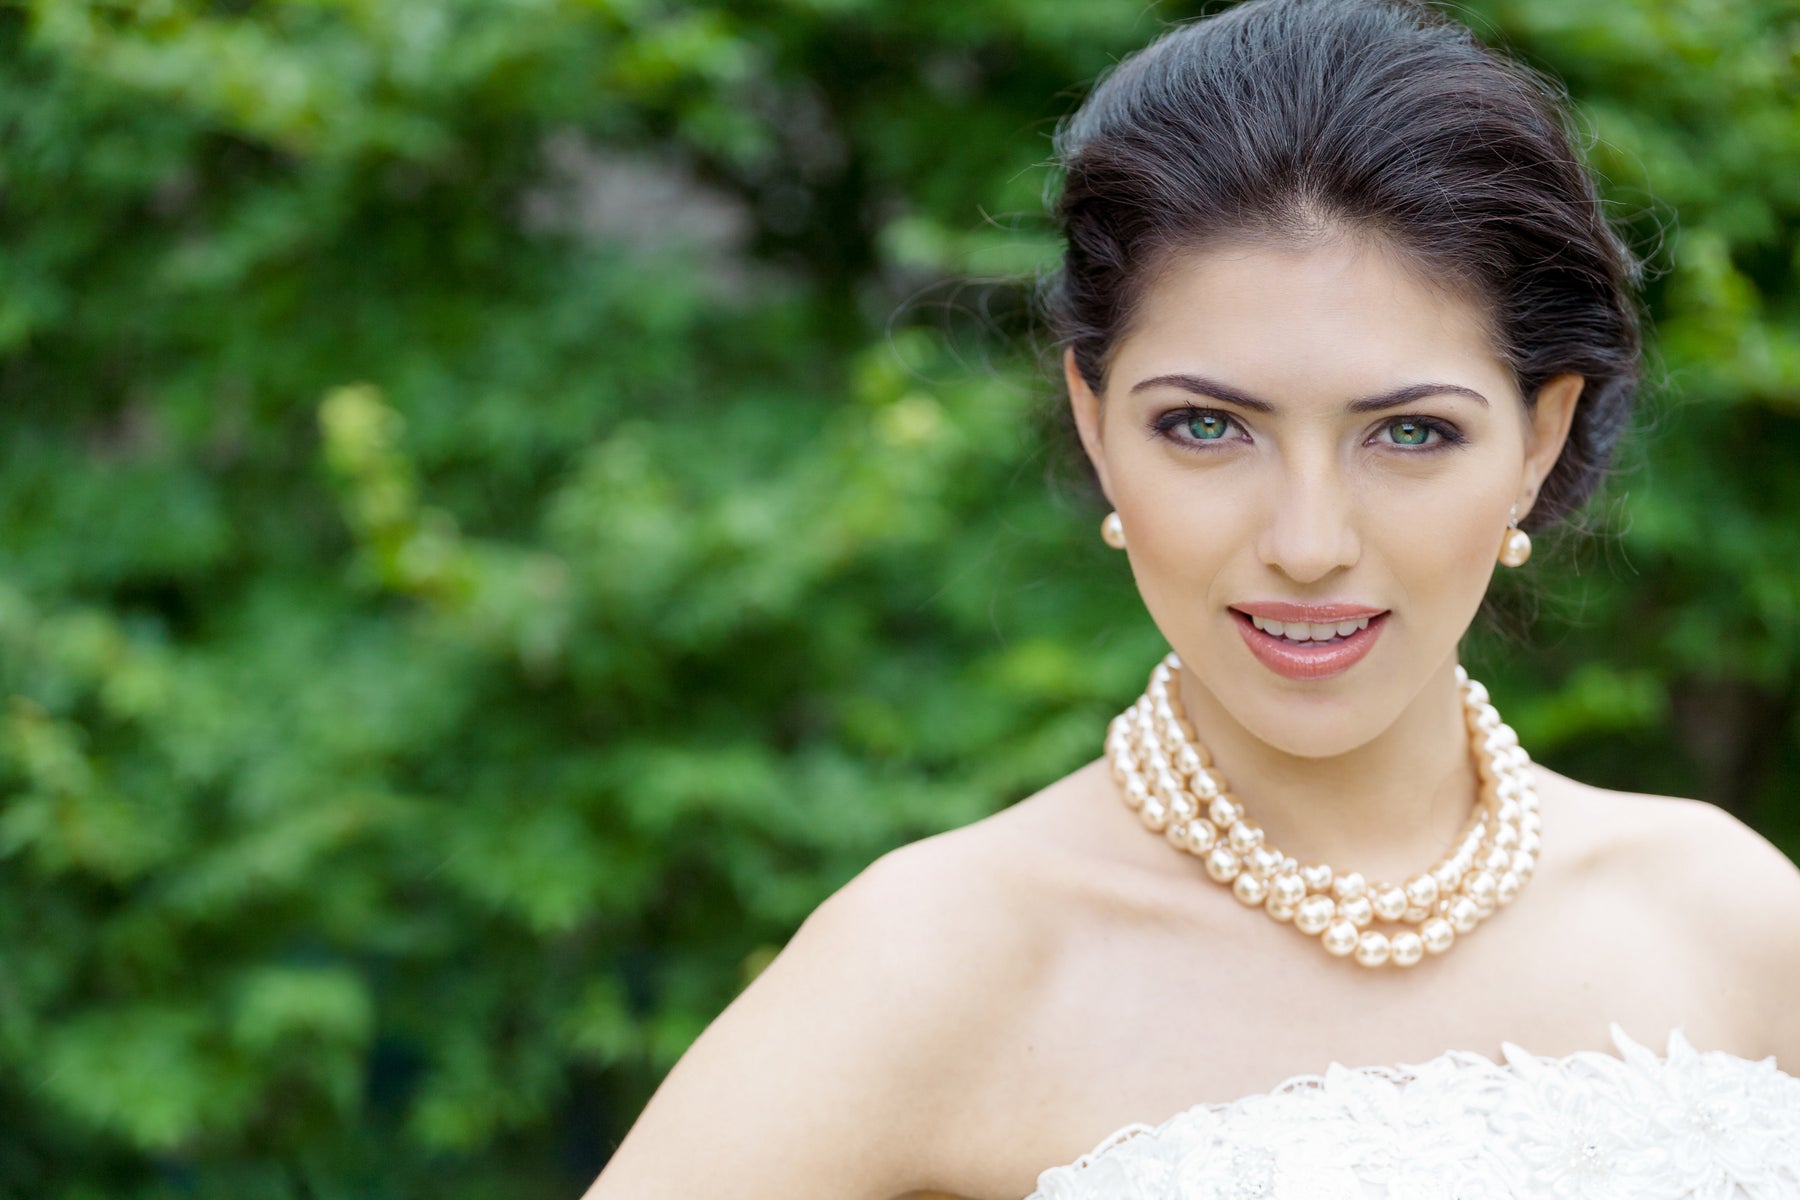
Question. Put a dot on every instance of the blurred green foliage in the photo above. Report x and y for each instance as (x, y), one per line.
(504, 506)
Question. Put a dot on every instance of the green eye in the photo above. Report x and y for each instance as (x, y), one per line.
(1410, 433)
(1208, 426)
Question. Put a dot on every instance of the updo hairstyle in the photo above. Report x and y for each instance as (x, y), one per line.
(1282, 121)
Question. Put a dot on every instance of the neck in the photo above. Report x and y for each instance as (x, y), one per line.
(1389, 808)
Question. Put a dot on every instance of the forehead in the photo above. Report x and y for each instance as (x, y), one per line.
(1337, 316)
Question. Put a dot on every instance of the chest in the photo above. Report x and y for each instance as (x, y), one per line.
(1141, 1020)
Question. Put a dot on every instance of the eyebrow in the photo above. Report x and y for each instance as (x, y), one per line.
(1201, 386)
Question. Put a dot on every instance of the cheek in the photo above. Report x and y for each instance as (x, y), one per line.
(1183, 529)
(1441, 555)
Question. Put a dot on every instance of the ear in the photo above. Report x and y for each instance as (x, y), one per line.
(1086, 408)
(1546, 431)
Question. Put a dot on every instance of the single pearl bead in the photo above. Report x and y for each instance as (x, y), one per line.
(1288, 888)
(1496, 860)
(1407, 947)
(1153, 814)
(1245, 836)
(1177, 832)
(1506, 837)
(1188, 762)
(1421, 891)
(1224, 811)
(1135, 792)
(1317, 877)
(1340, 938)
(1277, 909)
(1479, 886)
(1205, 785)
(1437, 934)
(1346, 887)
(1390, 903)
(1475, 694)
(1314, 914)
(1524, 865)
(1222, 864)
(1264, 860)
(1487, 717)
(1508, 887)
(1201, 836)
(1250, 889)
(1530, 842)
(1447, 875)
(1372, 949)
(1465, 914)
(1357, 910)
(1182, 807)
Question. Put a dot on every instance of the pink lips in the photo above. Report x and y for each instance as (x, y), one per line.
(1308, 660)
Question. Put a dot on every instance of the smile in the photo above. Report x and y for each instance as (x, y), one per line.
(1308, 649)
(1303, 631)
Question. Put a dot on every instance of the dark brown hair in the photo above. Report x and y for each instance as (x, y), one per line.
(1283, 120)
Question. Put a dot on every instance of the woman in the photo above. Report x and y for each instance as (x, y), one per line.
(1342, 324)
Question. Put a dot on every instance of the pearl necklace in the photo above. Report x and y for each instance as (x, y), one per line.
(1167, 777)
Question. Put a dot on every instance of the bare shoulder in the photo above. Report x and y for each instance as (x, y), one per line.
(942, 913)
(828, 1075)
(1714, 882)
(1697, 852)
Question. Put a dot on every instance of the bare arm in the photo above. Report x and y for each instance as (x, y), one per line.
(818, 1081)
(1765, 915)
(1728, 888)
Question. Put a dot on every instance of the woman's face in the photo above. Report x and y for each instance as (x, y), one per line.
(1313, 427)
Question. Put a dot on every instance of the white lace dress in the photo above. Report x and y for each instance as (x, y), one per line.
(1687, 1124)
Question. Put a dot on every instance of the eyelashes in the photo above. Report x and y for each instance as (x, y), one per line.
(1437, 434)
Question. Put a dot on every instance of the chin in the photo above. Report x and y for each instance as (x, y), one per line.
(1320, 718)
(1318, 734)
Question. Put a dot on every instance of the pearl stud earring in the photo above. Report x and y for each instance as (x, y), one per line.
(1515, 547)
(1112, 531)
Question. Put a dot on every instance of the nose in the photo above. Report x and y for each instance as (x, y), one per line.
(1311, 527)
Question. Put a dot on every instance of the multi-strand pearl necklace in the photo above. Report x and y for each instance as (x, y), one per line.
(1168, 778)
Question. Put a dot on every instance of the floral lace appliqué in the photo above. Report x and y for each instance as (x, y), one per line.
(1684, 1125)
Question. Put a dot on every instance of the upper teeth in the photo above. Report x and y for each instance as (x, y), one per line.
(1302, 631)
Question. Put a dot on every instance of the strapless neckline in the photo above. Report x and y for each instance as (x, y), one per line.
(1472, 1126)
